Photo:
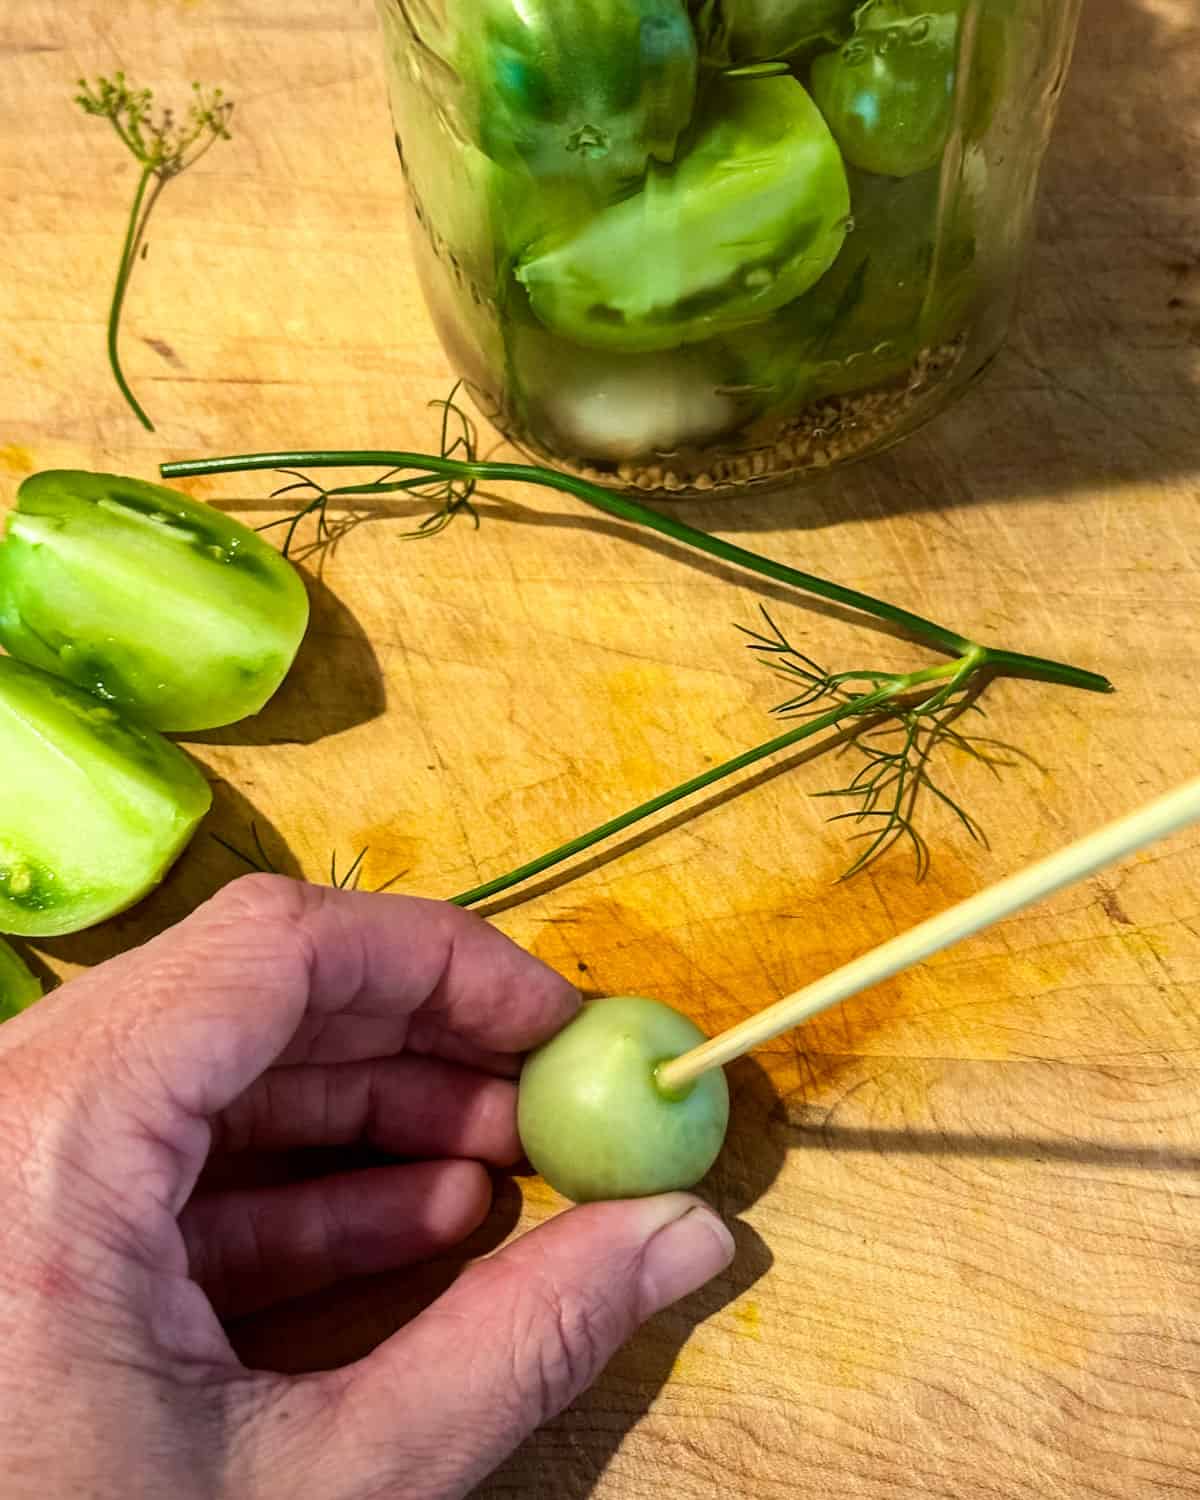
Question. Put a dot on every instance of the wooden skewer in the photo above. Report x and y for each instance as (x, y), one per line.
(1158, 819)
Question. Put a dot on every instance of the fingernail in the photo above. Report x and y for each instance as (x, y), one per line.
(682, 1256)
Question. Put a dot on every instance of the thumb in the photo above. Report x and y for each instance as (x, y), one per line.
(515, 1340)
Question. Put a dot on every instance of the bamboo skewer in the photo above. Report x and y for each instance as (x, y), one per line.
(1156, 820)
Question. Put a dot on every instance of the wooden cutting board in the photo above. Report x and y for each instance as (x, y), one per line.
(966, 1205)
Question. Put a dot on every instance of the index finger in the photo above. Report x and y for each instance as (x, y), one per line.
(273, 970)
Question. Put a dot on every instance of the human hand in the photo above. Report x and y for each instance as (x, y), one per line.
(281, 1015)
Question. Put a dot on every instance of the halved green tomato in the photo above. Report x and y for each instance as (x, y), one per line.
(18, 988)
(179, 616)
(752, 214)
(93, 811)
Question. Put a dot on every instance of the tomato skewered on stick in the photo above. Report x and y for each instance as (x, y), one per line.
(604, 1113)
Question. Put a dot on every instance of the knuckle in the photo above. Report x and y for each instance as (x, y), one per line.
(569, 1338)
(262, 897)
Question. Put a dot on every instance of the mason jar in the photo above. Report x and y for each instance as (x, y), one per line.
(696, 245)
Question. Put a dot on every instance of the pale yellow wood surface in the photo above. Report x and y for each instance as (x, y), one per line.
(966, 1205)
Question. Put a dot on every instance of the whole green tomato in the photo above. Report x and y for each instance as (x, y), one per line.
(733, 32)
(889, 92)
(94, 810)
(750, 216)
(176, 614)
(18, 988)
(592, 1118)
(595, 89)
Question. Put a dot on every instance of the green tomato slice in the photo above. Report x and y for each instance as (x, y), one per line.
(752, 215)
(95, 810)
(592, 1118)
(178, 615)
(18, 988)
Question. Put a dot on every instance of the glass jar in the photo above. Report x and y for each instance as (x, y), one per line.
(693, 245)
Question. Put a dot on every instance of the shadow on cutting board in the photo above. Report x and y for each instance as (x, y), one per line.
(200, 872)
(335, 683)
(1039, 1149)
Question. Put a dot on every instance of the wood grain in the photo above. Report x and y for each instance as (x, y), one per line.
(966, 1204)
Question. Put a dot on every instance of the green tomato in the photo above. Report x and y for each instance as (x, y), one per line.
(592, 1118)
(906, 280)
(95, 810)
(732, 32)
(178, 615)
(750, 217)
(18, 988)
(889, 92)
(595, 89)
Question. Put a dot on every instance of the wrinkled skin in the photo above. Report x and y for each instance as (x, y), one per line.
(142, 1109)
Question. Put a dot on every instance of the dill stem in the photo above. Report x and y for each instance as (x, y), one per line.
(133, 236)
(958, 671)
(625, 509)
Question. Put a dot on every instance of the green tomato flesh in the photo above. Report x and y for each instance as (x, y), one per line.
(754, 212)
(592, 1118)
(179, 616)
(94, 812)
(18, 988)
(595, 89)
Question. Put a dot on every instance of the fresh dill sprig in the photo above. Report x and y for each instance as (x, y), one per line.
(258, 859)
(451, 494)
(897, 744)
(163, 147)
(896, 720)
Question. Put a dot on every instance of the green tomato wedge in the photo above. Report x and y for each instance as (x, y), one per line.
(94, 811)
(18, 988)
(591, 90)
(592, 1118)
(179, 616)
(733, 32)
(753, 213)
